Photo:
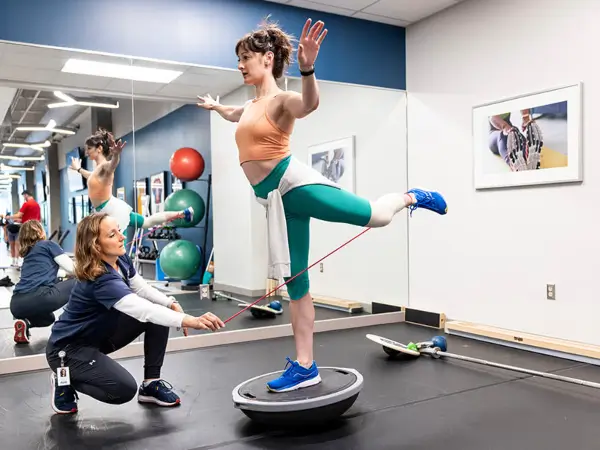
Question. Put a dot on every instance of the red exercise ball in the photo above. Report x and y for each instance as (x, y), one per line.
(187, 164)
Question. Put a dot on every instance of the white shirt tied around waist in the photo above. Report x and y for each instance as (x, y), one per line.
(296, 175)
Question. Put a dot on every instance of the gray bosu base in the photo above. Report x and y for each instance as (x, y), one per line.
(317, 404)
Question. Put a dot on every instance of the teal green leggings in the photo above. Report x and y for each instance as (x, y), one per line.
(320, 201)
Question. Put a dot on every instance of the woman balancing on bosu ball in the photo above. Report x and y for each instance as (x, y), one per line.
(280, 182)
(109, 307)
(106, 153)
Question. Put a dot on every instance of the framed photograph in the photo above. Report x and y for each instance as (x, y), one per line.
(71, 210)
(85, 205)
(529, 140)
(158, 192)
(176, 185)
(121, 193)
(78, 209)
(140, 190)
(335, 161)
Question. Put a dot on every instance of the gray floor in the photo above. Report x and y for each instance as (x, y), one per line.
(423, 404)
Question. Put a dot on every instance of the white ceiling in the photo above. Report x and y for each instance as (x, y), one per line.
(394, 12)
(30, 74)
(28, 66)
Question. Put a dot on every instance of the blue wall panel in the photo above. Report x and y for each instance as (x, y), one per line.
(205, 32)
(153, 145)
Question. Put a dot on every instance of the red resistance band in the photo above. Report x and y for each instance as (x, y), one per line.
(283, 284)
(298, 274)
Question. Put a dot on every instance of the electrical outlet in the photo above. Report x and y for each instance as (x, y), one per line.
(550, 292)
(321, 267)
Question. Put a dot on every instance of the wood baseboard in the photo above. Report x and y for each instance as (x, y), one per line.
(334, 303)
(524, 340)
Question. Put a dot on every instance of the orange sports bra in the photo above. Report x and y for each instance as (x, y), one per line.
(259, 138)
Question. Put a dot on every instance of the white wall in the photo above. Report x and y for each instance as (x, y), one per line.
(371, 268)
(486, 260)
(239, 237)
(143, 113)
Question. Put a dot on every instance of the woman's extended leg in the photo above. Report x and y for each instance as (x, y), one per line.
(333, 205)
(162, 218)
(337, 205)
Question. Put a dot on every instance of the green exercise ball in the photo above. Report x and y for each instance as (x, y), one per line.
(180, 259)
(184, 198)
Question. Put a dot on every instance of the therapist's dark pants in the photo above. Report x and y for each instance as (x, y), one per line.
(38, 306)
(94, 373)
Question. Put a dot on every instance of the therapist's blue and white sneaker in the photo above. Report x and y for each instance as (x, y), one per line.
(159, 392)
(431, 200)
(295, 377)
(63, 398)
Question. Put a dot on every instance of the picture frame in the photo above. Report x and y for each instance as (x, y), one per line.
(531, 139)
(176, 184)
(121, 193)
(336, 161)
(158, 188)
(85, 205)
(71, 210)
(140, 189)
(78, 208)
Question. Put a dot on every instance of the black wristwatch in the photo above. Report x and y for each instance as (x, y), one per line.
(308, 72)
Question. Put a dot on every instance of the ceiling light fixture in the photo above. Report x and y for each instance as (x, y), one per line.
(22, 158)
(40, 128)
(36, 146)
(70, 101)
(18, 168)
(122, 71)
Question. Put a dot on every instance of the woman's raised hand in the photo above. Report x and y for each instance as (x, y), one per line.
(310, 43)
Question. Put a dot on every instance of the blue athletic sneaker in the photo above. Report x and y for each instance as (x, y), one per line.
(159, 392)
(295, 377)
(431, 200)
(64, 398)
(188, 214)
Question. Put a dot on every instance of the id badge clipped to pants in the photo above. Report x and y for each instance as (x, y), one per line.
(62, 373)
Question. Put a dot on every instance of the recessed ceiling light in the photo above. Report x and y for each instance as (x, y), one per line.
(23, 158)
(70, 101)
(35, 146)
(4, 167)
(122, 71)
(50, 127)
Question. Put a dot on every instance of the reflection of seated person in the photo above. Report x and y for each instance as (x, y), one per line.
(38, 294)
(520, 151)
(110, 306)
